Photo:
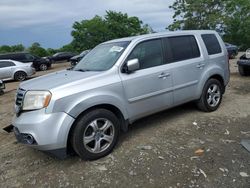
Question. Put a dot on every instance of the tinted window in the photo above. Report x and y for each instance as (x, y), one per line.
(149, 54)
(29, 57)
(183, 48)
(6, 64)
(212, 44)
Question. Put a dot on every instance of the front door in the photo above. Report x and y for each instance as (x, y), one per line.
(148, 89)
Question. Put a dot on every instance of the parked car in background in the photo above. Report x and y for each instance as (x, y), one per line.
(75, 59)
(244, 65)
(61, 56)
(232, 50)
(10, 69)
(119, 81)
(2, 87)
(25, 57)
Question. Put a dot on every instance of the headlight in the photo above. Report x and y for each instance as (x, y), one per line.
(34, 100)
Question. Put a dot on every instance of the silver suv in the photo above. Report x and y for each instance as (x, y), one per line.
(85, 108)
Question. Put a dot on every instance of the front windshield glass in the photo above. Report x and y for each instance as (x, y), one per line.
(102, 57)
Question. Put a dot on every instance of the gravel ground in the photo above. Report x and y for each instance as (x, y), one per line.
(157, 151)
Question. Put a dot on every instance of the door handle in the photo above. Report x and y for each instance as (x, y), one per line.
(164, 75)
(201, 65)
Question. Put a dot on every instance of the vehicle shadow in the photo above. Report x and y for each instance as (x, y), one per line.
(150, 121)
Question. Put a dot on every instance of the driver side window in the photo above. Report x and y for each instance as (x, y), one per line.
(149, 54)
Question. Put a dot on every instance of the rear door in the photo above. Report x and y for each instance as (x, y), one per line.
(6, 68)
(188, 65)
(148, 89)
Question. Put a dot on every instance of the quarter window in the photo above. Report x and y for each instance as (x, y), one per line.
(183, 48)
(211, 43)
(149, 54)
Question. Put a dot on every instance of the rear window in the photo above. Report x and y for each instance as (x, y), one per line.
(212, 44)
(183, 48)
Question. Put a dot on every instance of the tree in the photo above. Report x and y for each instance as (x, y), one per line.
(5, 49)
(121, 25)
(198, 14)
(237, 28)
(88, 33)
(14, 48)
(230, 18)
(17, 48)
(36, 49)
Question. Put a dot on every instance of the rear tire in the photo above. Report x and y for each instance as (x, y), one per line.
(242, 70)
(20, 76)
(43, 67)
(95, 134)
(211, 96)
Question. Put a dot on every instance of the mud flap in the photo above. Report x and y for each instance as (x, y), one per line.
(246, 144)
(9, 128)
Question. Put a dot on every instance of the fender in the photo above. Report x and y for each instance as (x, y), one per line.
(211, 71)
(74, 106)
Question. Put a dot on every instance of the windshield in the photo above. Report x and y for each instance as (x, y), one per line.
(102, 57)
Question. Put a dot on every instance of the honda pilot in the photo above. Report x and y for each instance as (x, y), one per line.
(85, 108)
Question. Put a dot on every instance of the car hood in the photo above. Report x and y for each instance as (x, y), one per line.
(57, 79)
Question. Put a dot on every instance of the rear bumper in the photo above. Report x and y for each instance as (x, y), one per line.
(48, 131)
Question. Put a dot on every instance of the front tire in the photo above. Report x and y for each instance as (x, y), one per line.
(95, 134)
(211, 96)
(20, 76)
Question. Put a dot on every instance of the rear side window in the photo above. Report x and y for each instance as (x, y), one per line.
(212, 44)
(149, 53)
(29, 57)
(183, 48)
(6, 64)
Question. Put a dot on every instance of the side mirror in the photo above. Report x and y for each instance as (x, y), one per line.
(131, 66)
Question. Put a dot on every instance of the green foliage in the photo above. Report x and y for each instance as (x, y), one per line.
(14, 48)
(237, 28)
(230, 18)
(51, 51)
(198, 14)
(67, 48)
(88, 33)
(36, 49)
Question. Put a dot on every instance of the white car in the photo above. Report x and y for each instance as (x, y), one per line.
(10, 69)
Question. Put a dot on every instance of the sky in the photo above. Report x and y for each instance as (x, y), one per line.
(49, 22)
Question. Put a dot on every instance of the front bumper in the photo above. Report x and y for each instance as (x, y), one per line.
(243, 62)
(49, 131)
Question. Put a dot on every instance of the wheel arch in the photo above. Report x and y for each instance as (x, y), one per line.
(18, 70)
(215, 73)
(220, 79)
(110, 107)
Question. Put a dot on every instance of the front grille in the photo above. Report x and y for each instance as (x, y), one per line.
(19, 97)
